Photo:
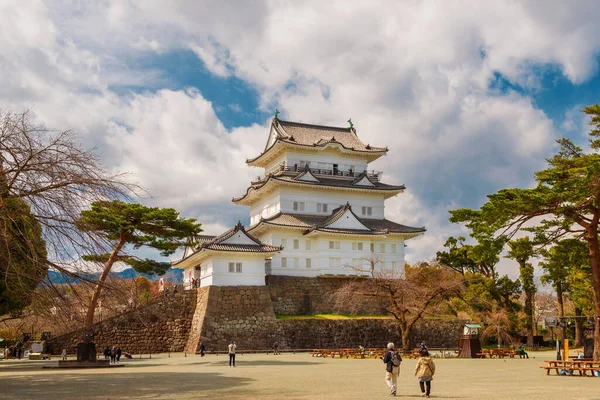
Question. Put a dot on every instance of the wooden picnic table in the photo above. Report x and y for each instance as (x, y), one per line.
(498, 353)
(582, 366)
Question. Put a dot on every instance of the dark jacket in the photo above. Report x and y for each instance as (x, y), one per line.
(388, 357)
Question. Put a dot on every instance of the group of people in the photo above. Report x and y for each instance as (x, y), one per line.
(424, 370)
(113, 354)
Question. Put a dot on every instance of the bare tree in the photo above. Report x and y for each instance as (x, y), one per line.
(49, 172)
(498, 325)
(406, 295)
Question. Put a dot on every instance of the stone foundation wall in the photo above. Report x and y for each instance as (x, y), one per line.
(313, 333)
(293, 295)
(159, 327)
(198, 329)
(243, 314)
(215, 315)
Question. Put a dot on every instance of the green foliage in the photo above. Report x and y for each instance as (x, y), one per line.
(137, 225)
(567, 268)
(23, 262)
(594, 112)
(479, 258)
(567, 198)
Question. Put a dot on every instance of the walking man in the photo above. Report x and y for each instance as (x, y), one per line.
(231, 348)
(392, 362)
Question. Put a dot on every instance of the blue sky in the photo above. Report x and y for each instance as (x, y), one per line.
(180, 96)
(236, 102)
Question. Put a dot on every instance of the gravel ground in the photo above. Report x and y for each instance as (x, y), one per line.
(289, 376)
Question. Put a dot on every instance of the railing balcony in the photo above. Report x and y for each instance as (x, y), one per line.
(349, 173)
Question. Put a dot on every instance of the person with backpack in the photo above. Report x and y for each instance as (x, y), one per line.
(392, 362)
(424, 372)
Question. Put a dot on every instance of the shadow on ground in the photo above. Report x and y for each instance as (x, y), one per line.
(64, 385)
(244, 363)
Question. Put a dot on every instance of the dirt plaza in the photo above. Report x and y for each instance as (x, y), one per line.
(289, 376)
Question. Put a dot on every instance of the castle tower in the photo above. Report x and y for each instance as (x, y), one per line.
(315, 210)
(318, 199)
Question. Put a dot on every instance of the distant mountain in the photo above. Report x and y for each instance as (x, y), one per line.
(172, 275)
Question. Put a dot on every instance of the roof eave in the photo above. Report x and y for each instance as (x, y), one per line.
(280, 144)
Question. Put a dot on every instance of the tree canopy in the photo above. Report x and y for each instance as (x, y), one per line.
(22, 255)
(566, 198)
(139, 226)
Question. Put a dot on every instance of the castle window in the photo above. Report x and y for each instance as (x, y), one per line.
(394, 248)
(357, 246)
(296, 262)
(235, 268)
(308, 246)
(321, 207)
(296, 244)
(382, 248)
(283, 262)
(284, 243)
(298, 206)
(368, 211)
(372, 247)
(335, 262)
(334, 244)
(308, 263)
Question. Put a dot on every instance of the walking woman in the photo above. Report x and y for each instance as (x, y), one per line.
(424, 372)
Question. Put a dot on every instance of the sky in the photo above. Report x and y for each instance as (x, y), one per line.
(469, 96)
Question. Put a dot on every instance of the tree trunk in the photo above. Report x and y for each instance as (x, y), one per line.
(561, 310)
(406, 339)
(592, 238)
(529, 317)
(578, 327)
(89, 320)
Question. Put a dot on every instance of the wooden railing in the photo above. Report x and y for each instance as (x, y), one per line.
(374, 175)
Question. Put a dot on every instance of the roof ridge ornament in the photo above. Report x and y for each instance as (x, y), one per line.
(276, 116)
(351, 124)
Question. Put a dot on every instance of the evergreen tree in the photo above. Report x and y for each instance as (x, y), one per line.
(521, 250)
(127, 224)
(22, 255)
(567, 197)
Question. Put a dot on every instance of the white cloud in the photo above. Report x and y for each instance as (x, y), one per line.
(411, 75)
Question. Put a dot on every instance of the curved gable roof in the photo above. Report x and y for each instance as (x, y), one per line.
(298, 133)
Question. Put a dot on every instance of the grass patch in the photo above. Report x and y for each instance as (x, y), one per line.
(332, 316)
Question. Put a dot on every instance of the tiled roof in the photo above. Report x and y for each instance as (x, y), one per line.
(216, 243)
(323, 181)
(320, 222)
(245, 248)
(318, 135)
(326, 181)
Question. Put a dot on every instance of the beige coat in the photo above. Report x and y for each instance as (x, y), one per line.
(425, 367)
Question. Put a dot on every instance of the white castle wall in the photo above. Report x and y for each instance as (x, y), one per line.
(320, 159)
(322, 256)
(215, 270)
(333, 198)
